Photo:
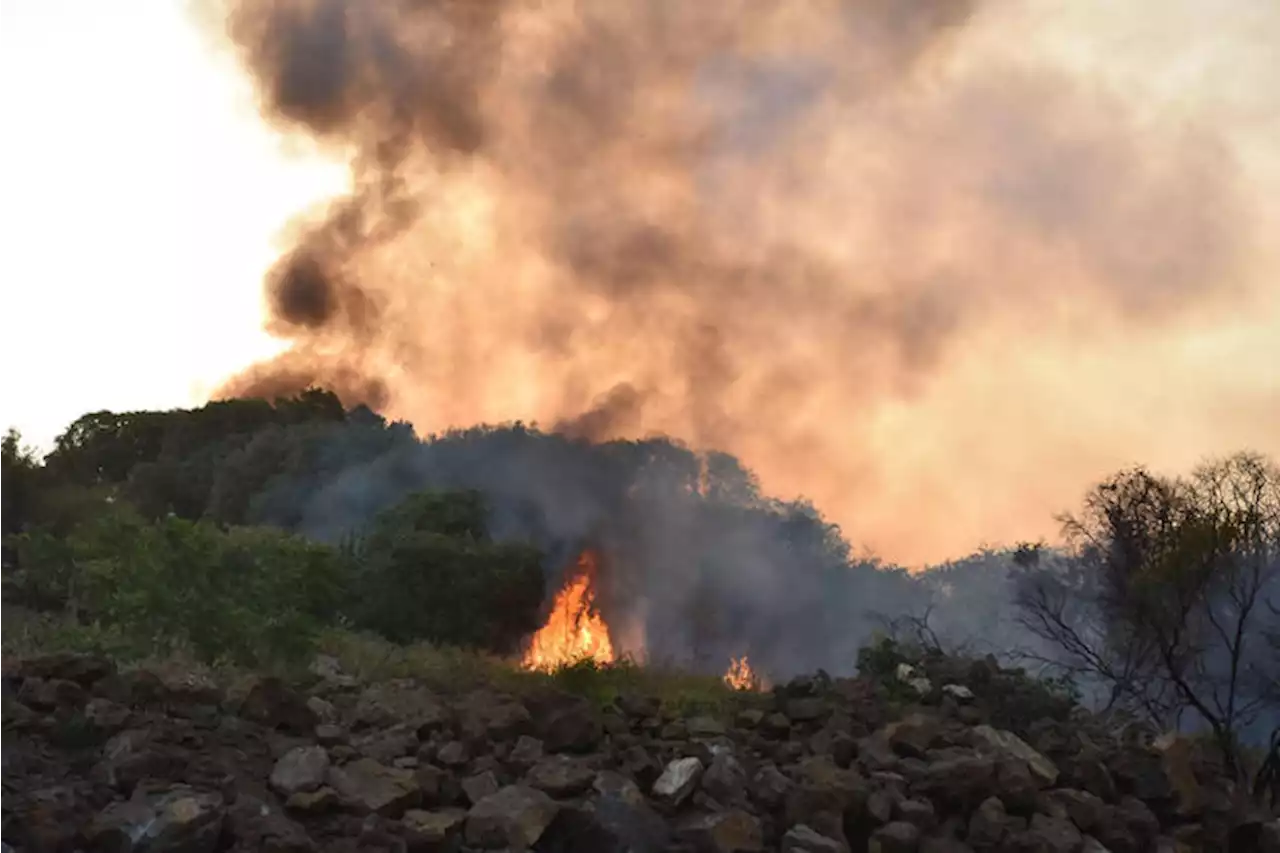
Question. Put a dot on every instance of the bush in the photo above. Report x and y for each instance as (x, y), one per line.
(428, 571)
(246, 596)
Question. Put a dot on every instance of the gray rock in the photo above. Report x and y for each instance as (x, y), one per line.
(561, 776)
(958, 692)
(1000, 742)
(177, 821)
(366, 786)
(273, 703)
(896, 837)
(479, 786)
(733, 831)
(725, 780)
(301, 769)
(257, 825)
(430, 830)
(803, 839)
(678, 781)
(514, 817)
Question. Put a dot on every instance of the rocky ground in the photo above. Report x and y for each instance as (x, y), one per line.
(101, 759)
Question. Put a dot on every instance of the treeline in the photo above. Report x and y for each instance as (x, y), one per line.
(241, 529)
(134, 525)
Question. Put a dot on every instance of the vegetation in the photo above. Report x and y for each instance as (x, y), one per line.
(1169, 595)
(253, 533)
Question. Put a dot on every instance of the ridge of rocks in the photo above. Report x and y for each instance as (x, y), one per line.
(101, 759)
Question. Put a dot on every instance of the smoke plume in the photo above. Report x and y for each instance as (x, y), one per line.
(830, 238)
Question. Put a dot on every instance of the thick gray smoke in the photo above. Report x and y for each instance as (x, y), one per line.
(698, 566)
(801, 233)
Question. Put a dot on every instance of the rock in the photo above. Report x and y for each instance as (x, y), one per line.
(804, 709)
(610, 784)
(998, 741)
(749, 718)
(367, 786)
(918, 812)
(959, 783)
(572, 728)
(704, 726)
(44, 694)
(921, 685)
(526, 753)
(896, 837)
(677, 781)
(769, 787)
(382, 705)
(610, 824)
(321, 800)
(388, 744)
(328, 734)
(821, 789)
(803, 839)
(514, 817)
(323, 709)
(1140, 772)
(958, 692)
(256, 825)
(733, 831)
(302, 769)
(561, 776)
(776, 725)
(725, 780)
(843, 748)
(479, 786)
(913, 735)
(453, 754)
(106, 717)
(432, 830)
(133, 688)
(272, 703)
(84, 669)
(177, 821)
(1016, 785)
(1049, 834)
(1080, 807)
(1178, 761)
(988, 824)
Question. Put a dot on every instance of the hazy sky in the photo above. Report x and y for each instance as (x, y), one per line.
(130, 151)
(141, 201)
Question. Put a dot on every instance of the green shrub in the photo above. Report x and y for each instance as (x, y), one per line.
(428, 571)
(247, 595)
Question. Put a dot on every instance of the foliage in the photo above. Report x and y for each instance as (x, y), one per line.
(244, 594)
(1170, 594)
(428, 571)
(19, 471)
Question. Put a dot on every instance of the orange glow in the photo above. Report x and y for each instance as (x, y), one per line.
(740, 675)
(574, 629)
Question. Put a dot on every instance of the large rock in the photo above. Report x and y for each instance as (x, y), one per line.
(804, 839)
(386, 745)
(561, 776)
(677, 781)
(733, 831)
(273, 703)
(572, 727)
(609, 823)
(301, 769)
(896, 837)
(180, 820)
(257, 825)
(83, 669)
(432, 830)
(383, 705)
(515, 817)
(725, 780)
(366, 786)
(1000, 742)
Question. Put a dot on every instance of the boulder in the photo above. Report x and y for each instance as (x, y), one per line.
(1000, 742)
(367, 786)
(677, 781)
(432, 830)
(272, 703)
(301, 769)
(514, 817)
(561, 776)
(733, 831)
(803, 839)
(180, 820)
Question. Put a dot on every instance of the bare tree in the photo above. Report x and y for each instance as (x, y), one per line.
(1169, 593)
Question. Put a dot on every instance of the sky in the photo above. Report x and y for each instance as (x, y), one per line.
(143, 199)
(131, 148)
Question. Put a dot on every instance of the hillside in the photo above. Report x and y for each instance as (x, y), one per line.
(407, 755)
(286, 625)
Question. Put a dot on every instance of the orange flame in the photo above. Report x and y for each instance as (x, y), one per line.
(574, 629)
(740, 675)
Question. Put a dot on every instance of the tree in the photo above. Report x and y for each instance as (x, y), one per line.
(19, 470)
(1169, 594)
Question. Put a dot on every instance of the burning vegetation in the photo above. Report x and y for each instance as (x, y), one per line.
(574, 630)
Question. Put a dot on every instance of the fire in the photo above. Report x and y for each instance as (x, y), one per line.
(574, 629)
(740, 675)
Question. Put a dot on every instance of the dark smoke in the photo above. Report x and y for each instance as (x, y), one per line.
(698, 566)
(765, 227)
